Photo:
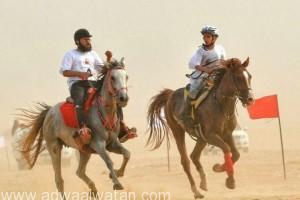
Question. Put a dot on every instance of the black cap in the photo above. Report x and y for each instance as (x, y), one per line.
(80, 33)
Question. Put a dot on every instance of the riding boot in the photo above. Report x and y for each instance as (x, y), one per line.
(80, 116)
(126, 133)
(186, 115)
(84, 132)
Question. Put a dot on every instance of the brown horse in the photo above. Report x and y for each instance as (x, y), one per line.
(216, 115)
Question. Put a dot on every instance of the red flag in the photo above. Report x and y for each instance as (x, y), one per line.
(265, 107)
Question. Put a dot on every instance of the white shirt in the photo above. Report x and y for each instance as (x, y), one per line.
(76, 60)
(203, 57)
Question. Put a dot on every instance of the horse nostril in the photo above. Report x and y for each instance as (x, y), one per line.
(250, 99)
(123, 99)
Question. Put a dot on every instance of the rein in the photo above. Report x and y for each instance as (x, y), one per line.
(108, 120)
(233, 97)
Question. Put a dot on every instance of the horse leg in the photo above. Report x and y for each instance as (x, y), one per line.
(235, 153)
(215, 140)
(99, 147)
(179, 136)
(118, 148)
(81, 172)
(195, 157)
(54, 148)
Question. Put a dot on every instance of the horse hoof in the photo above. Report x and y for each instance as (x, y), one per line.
(218, 168)
(198, 196)
(118, 186)
(230, 183)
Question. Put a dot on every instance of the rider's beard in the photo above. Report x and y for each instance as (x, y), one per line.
(83, 48)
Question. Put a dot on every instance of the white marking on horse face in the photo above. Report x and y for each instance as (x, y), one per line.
(119, 83)
(119, 77)
(247, 78)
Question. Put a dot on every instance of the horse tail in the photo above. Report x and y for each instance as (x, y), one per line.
(34, 120)
(158, 127)
(15, 127)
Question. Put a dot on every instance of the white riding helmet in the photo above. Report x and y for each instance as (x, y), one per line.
(210, 29)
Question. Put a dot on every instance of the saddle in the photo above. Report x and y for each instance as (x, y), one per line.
(68, 112)
(203, 93)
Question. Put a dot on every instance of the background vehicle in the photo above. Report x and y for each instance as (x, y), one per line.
(241, 139)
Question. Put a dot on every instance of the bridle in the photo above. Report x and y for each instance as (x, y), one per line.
(108, 82)
(109, 120)
(237, 94)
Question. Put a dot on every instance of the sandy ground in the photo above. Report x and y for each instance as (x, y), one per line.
(259, 175)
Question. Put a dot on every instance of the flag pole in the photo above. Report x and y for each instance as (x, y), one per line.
(281, 141)
(282, 148)
(267, 107)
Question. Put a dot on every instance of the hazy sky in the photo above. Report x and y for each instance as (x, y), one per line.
(157, 37)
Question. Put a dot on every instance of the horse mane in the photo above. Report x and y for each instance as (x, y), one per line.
(219, 73)
(232, 64)
(225, 65)
(113, 64)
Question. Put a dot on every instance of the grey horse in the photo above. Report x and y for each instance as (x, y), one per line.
(46, 123)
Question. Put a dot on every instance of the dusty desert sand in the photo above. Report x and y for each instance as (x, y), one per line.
(157, 38)
(259, 175)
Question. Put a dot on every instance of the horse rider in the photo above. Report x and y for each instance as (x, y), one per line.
(208, 52)
(82, 66)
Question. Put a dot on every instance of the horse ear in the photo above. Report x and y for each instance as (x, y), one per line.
(122, 62)
(246, 62)
(226, 63)
(105, 68)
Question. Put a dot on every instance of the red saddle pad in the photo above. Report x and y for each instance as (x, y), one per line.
(68, 113)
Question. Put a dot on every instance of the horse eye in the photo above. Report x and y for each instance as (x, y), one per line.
(113, 78)
(127, 77)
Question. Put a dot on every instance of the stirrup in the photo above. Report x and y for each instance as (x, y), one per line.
(130, 134)
(85, 134)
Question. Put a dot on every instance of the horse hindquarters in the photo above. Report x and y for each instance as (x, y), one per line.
(179, 135)
(54, 146)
